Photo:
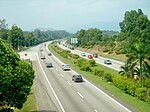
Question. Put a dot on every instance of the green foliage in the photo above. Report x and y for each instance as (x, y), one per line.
(108, 77)
(85, 68)
(105, 50)
(92, 63)
(120, 82)
(16, 78)
(16, 37)
(98, 72)
(141, 93)
(89, 37)
(74, 56)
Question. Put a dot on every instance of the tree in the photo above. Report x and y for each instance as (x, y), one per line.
(16, 37)
(16, 78)
(3, 29)
(89, 37)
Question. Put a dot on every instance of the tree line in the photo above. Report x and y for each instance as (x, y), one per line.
(19, 38)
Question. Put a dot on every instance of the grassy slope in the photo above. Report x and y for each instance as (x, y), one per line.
(126, 99)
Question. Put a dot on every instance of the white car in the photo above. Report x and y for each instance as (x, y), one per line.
(66, 67)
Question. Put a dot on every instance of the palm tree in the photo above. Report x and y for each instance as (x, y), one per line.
(140, 56)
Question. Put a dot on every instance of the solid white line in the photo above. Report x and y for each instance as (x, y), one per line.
(69, 83)
(80, 94)
(62, 75)
(105, 94)
(108, 96)
(99, 90)
(51, 86)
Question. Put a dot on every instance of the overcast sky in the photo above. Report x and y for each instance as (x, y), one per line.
(69, 15)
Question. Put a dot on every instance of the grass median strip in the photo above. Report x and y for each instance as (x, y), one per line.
(132, 102)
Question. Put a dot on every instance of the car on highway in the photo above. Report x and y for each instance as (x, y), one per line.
(49, 64)
(49, 54)
(77, 78)
(90, 56)
(83, 54)
(41, 49)
(108, 62)
(42, 57)
(66, 67)
(95, 55)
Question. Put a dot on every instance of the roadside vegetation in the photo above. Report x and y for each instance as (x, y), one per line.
(16, 78)
(133, 43)
(105, 78)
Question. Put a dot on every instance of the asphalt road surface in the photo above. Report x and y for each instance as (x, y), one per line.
(56, 92)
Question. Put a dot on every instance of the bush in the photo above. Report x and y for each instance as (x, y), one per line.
(81, 62)
(105, 50)
(108, 77)
(140, 93)
(98, 72)
(92, 63)
(75, 56)
(131, 86)
(120, 82)
(85, 68)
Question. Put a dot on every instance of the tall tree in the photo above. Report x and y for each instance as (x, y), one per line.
(3, 29)
(136, 27)
(16, 78)
(16, 37)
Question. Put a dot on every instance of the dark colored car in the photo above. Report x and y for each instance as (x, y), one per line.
(42, 57)
(83, 54)
(108, 62)
(77, 78)
(49, 54)
(90, 56)
(49, 64)
(95, 55)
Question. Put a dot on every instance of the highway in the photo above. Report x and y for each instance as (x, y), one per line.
(56, 92)
(116, 65)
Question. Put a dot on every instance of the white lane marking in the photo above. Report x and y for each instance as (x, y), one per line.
(80, 94)
(56, 69)
(62, 75)
(51, 86)
(69, 83)
(105, 94)
(95, 110)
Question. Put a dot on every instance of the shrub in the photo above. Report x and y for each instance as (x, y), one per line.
(120, 82)
(140, 93)
(92, 63)
(85, 68)
(108, 77)
(131, 86)
(81, 62)
(98, 72)
(105, 50)
(75, 56)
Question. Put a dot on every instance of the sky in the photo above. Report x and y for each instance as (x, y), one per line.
(69, 15)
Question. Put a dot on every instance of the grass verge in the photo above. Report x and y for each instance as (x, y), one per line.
(30, 104)
(129, 101)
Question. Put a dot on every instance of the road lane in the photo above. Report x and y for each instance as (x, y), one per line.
(111, 105)
(74, 97)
